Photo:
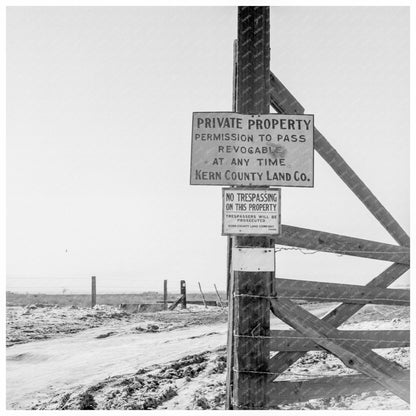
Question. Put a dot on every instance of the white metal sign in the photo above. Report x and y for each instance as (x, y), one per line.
(250, 211)
(252, 150)
(253, 259)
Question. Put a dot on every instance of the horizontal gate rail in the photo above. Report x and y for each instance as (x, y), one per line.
(338, 292)
(281, 392)
(387, 373)
(340, 244)
(290, 340)
(337, 316)
(284, 102)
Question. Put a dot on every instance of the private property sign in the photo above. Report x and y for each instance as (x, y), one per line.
(250, 211)
(252, 150)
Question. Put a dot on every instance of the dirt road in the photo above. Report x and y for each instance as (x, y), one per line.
(37, 370)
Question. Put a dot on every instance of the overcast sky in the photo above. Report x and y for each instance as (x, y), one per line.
(99, 112)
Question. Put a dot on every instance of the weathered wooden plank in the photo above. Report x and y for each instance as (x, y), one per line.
(284, 392)
(284, 102)
(386, 373)
(340, 244)
(290, 340)
(337, 316)
(339, 292)
(230, 277)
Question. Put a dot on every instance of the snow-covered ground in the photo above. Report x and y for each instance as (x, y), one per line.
(164, 360)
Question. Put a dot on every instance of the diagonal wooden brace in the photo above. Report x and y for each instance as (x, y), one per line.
(284, 102)
(388, 374)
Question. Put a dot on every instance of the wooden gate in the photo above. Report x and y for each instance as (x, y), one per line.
(309, 333)
(354, 348)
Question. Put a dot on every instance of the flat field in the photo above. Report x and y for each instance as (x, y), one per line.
(75, 357)
(84, 300)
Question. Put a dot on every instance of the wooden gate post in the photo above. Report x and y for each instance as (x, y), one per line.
(183, 294)
(230, 279)
(93, 291)
(251, 326)
(165, 295)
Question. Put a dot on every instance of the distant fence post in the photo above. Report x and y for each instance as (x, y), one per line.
(183, 293)
(218, 295)
(202, 293)
(93, 291)
(165, 295)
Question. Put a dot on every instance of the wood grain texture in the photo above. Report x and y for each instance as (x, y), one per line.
(251, 354)
(339, 292)
(337, 316)
(388, 374)
(282, 392)
(291, 340)
(341, 244)
(252, 315)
